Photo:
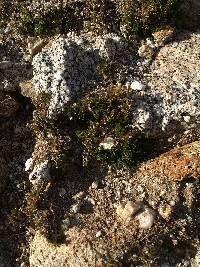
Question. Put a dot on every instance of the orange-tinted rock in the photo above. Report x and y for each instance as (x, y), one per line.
(177, 163)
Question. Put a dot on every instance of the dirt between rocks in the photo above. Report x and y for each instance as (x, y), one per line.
(95, 235)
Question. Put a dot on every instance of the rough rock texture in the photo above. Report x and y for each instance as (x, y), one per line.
(78, 253)
(68, 67)
(171, 99)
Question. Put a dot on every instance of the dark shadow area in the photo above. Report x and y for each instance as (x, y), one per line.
(16, 145)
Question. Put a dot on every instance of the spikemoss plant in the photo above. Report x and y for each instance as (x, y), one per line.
(104, 113)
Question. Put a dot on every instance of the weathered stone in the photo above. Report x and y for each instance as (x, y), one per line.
(146, 218)
(78, 253)
(176, 164)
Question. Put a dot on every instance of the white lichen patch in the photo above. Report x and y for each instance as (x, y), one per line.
(28, 164)
(69, 66)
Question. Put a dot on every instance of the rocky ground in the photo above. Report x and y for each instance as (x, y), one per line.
(56, 212)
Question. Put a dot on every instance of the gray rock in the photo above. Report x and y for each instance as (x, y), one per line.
(171, 97)
(69, 66)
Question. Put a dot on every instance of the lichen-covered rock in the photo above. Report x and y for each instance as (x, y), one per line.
(171, 98)
(165, 100)
(68, 67)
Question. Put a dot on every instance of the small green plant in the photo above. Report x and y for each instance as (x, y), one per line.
(105, 113)
(99, 115)
(101, 15)
(105, 69)
(141, 18)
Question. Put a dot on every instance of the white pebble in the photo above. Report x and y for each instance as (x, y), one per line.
(128, 211)
(186, 118)
(146, 218)
(137, 86)
(108, 143)
(98, 234)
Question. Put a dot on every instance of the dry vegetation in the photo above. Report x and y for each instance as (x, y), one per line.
(130, 18)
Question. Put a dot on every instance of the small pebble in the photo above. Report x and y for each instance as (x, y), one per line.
(98, 234)
(146, 218)
(128, 211)
(165, 210)
(137, 86)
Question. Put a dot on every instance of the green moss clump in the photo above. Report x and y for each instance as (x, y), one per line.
(105, 113)
(141, 18)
